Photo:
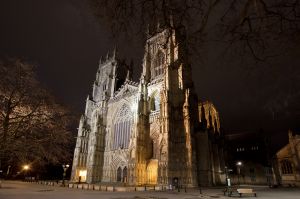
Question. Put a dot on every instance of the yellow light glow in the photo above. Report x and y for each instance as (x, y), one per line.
(152, 171)
(26, 167)
(82, 175)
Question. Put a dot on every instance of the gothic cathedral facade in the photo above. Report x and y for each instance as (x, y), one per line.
(151, 132)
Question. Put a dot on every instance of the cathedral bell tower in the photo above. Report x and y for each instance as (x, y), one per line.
(106, 78)
(166, 59)
(110, 76)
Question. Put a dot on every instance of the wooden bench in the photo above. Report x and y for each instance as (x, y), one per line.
(245, 191)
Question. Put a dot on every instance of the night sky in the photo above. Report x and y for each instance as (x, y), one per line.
(66, 41)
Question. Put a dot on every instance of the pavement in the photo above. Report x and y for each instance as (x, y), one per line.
(25, 190)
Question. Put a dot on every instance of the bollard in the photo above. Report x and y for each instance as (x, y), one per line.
(185, 189)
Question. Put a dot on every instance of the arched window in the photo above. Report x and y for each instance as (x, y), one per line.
(125, 174)
(155, 103)
(104, 86)
(122, 128)
(286, 167)
(159, 62)
(119, 174)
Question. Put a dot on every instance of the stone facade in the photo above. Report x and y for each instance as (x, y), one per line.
(151, 132)
(287, 165)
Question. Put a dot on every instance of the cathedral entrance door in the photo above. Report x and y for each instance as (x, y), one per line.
(119, 174)
(152, 172)
(175, 182)
(125, 174)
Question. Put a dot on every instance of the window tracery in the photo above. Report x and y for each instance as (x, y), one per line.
(155, 103)
(286, 167)
(159, 62)
(122, 128)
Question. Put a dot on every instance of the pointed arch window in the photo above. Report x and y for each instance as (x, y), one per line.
(286, 167)
(119, 174)
(122, 128)
(159, 62)
(155, 103)
(125, 174)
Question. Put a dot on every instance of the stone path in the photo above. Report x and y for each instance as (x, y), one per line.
(23, 190)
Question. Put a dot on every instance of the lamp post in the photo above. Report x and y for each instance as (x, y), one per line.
(65, 167)
(25, 168)
(226, 176)
(238, 166)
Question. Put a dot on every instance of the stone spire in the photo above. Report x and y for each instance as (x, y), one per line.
(148, 31)
(215, 124)
(129, 72)
(128, 78)
(157, 26)
(290, 133)
(87, 105)
(114, 53)
(203, 118)
(171, 21)
(210, 125)
(107, 55)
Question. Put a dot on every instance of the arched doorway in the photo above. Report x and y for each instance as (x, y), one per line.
(152, 168)
(125, 174)
(119, 174)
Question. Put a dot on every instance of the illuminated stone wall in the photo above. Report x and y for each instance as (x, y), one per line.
(148, 132)
(288, 162)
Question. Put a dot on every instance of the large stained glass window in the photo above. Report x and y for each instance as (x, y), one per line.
(122, 128)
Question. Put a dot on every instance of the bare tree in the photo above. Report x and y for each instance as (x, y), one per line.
(34, 128)
(256, 25)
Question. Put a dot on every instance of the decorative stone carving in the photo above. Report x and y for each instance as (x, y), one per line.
(144, 133)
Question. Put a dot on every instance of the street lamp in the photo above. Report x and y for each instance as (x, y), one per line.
(226, 176)
(238, 166)
(25, 168)
(65, 167)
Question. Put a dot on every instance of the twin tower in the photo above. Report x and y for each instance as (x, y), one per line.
(151, 132)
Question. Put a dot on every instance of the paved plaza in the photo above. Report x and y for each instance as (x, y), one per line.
(23, 190)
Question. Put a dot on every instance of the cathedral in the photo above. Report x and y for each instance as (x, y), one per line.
(151, 132)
